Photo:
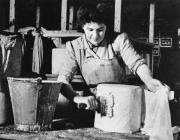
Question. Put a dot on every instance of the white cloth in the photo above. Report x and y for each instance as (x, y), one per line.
(37, 60)
(157, 115)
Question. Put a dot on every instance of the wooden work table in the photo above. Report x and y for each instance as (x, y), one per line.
(9, 133)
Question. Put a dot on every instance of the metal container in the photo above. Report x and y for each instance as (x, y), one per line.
(33, 102)
(3, 108)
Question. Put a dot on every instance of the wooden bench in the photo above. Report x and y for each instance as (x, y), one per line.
(8, 132)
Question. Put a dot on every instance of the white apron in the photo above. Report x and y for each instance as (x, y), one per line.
(97, 71)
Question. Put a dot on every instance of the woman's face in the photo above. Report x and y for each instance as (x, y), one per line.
(94, 32)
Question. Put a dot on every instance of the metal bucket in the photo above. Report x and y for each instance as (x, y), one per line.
(3, 108)
(33, 102)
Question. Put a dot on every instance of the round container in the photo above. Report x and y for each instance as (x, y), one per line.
(3, 108)
(33, 102)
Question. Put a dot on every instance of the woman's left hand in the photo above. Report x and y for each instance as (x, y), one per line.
(154, 85)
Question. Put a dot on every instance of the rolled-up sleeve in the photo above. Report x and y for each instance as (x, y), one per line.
(129, 55)
(69, 67)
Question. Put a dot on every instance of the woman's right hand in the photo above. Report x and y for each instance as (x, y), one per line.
(90, 101)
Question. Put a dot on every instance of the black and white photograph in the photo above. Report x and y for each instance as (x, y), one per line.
(90, 69)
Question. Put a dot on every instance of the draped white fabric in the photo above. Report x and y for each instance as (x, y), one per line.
(157, 115)
(37, 54)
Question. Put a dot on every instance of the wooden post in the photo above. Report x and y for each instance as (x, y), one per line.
(71, 17)
(151, 22)
(64, 14)
(12, 15)
(37, 16)
(117, 17)
(151, 31)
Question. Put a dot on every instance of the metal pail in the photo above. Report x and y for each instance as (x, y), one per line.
(33, 102)
(3, 108)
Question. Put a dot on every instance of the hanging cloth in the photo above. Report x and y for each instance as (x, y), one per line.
(37, 60)
(6, 43)
(157, 122)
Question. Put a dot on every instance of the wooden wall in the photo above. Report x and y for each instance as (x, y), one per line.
(134, 15)
(130, 16)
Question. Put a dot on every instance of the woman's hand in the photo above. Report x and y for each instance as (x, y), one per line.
(154, 85)
(90, 101)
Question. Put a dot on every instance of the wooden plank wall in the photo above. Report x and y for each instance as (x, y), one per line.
(151, 33)
(67, 20)
(12, 15)
(117, 17)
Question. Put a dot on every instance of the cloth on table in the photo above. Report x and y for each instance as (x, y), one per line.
(157, 122)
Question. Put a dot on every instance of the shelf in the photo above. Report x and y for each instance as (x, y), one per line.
(67, 33)
(76, 79)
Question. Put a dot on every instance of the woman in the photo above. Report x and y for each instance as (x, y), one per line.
(100, 55)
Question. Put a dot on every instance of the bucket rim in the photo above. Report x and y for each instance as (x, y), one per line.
(34, 80)
(24, 79)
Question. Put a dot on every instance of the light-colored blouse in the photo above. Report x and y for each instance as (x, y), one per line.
(79, 50)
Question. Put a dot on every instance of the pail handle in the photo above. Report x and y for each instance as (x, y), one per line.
(33, 80)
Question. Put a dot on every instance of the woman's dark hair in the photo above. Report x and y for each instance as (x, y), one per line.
(92, 12)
